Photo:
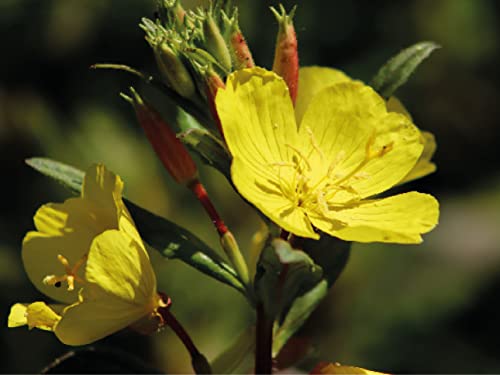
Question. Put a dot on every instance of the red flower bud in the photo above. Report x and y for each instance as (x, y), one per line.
(213, 83)
(168, 147)
(286, 57)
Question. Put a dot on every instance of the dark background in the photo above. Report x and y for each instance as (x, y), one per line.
(431, 308)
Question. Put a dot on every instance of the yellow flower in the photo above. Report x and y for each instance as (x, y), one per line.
(87, 255)
(347, 148)
(313, 79)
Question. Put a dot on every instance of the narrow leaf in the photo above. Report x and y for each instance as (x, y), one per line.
(171, 240)
(301, 309)
(399, 68)
(70, 177)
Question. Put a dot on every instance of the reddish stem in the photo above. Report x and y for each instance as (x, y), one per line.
(198, 360)
(263, 342)
(199, 190)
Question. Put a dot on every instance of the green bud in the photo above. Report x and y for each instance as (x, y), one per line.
(215, 42)
(174, 72)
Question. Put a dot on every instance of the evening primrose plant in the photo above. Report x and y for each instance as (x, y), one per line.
(313, 151)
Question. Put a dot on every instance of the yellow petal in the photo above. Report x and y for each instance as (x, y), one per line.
(17, 316)
(86, 322)
(424, 165)
(398, 219)
(344, 119)
(35, 315)
(259, 127)
(405, 146)
(257, 117)
(120, 266)
(313, 79)
(395, 105)
(337, 368)
(40, 253)
(104, 189)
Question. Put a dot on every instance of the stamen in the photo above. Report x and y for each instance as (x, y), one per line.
(70, 276)
(340, 156)
(314, 143)
(302, 157)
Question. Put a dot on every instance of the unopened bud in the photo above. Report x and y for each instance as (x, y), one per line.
(170, 150)
(241, 56)
(213, 83)
(174, 72)
(215, 43)
(286, 57)
(233, 252)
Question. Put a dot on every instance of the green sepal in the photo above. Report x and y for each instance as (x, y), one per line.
(283, 274)
(171, 240)
(329, 253)
(209, 148)
(399, 68)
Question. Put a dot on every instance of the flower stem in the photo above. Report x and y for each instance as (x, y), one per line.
(264, 342)
(199, 190)
(199, 362)
(228, 242)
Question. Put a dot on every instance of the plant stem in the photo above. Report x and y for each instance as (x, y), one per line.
(199, 190)
(228, 242)
(264, 342)
(198, 360)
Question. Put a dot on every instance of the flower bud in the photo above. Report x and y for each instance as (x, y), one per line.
(168, 147)
(213, 83)
(286, 58)
(215, 43)
(173, 70)
(241, 56)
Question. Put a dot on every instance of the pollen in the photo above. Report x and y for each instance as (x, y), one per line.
(70, 276)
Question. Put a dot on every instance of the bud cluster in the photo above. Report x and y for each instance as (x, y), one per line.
(196, 49)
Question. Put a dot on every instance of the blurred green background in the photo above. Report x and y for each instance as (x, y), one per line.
(432, 308)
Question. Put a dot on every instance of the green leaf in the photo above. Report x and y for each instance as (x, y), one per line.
(70, 177)
(238, 357)
(301, 309)
(171, 240)
(175, 242)
(283, 274)
(399, 68)
(209, 148)
(329, 253)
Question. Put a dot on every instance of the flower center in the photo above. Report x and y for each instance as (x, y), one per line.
(305, 189)
(70, 276)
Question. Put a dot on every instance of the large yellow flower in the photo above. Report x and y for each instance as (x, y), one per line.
(346, 148)
(87, 255)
